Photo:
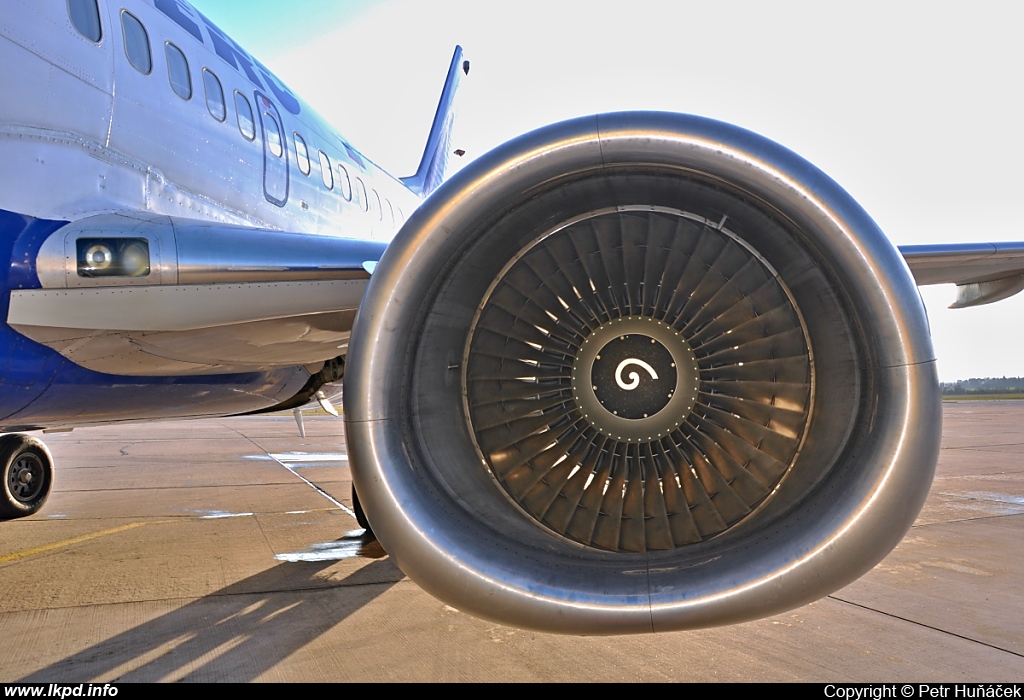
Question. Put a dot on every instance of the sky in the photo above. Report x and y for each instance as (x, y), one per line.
(915, 108)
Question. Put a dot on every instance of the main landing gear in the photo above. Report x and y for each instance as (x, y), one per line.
(27, 475)
(361, 516)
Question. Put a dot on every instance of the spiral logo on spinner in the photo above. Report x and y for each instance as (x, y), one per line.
(634, 378)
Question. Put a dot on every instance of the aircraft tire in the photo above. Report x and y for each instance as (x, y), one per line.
(27, 475)
(360, 515)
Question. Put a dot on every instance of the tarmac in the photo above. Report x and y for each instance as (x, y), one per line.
(225, 550)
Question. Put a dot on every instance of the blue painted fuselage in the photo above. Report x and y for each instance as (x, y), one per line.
(42, 389)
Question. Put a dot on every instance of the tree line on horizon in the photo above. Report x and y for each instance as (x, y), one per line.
(983, 385)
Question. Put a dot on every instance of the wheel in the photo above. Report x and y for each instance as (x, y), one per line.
(27, 475)
(360, 515)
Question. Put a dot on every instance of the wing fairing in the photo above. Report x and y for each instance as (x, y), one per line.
(214, 298)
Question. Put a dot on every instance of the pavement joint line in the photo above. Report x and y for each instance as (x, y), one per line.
(167, 488)
(319, 490)
(263, 532)
(926, 626)
(169, 518)
(216, 594)
(313, 486)
(991, 476)
(967, 520)
(980, 497)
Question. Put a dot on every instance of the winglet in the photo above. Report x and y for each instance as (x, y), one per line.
(434, 163)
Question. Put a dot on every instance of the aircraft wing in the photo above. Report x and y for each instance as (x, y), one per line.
(982, 272)
(230, 299)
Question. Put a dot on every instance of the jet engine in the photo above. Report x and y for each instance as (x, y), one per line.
(639, 372)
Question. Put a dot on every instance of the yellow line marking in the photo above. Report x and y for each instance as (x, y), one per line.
(6, 558)
(75, 540)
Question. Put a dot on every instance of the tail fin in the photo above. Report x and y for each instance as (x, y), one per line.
(431, 170)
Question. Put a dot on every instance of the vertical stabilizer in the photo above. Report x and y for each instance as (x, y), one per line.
(434, 162)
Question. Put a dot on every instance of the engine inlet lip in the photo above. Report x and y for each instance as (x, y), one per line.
(844, 528)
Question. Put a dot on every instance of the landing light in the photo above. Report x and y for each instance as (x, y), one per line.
(113, 257)
(99, 257)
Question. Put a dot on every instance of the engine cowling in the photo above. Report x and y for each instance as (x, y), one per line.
(640, 372)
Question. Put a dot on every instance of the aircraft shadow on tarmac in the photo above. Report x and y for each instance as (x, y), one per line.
(233, 634)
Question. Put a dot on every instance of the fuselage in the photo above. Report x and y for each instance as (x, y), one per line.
(146, 107)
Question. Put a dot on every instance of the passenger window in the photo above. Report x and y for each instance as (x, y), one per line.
(361, 194)
(273, 134)
(136, 43)
(85, 15)
(301, 156)
(214, 95)
(344, 182)
(376, 201)
(325, 171)
(177, 72)
(244, 112)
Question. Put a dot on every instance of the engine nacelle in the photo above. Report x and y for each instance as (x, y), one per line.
(640, 372)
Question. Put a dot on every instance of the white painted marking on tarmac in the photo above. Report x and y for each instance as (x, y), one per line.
(336, 554)
(353, 544)
(216, 515)
(294, 557)
(292, 457)
(999, 497)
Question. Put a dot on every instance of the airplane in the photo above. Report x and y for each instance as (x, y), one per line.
(629, 372)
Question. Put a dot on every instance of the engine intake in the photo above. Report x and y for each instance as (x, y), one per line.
(638, 372)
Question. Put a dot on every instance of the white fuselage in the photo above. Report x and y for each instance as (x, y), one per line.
(83, 131)
(141, 120)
